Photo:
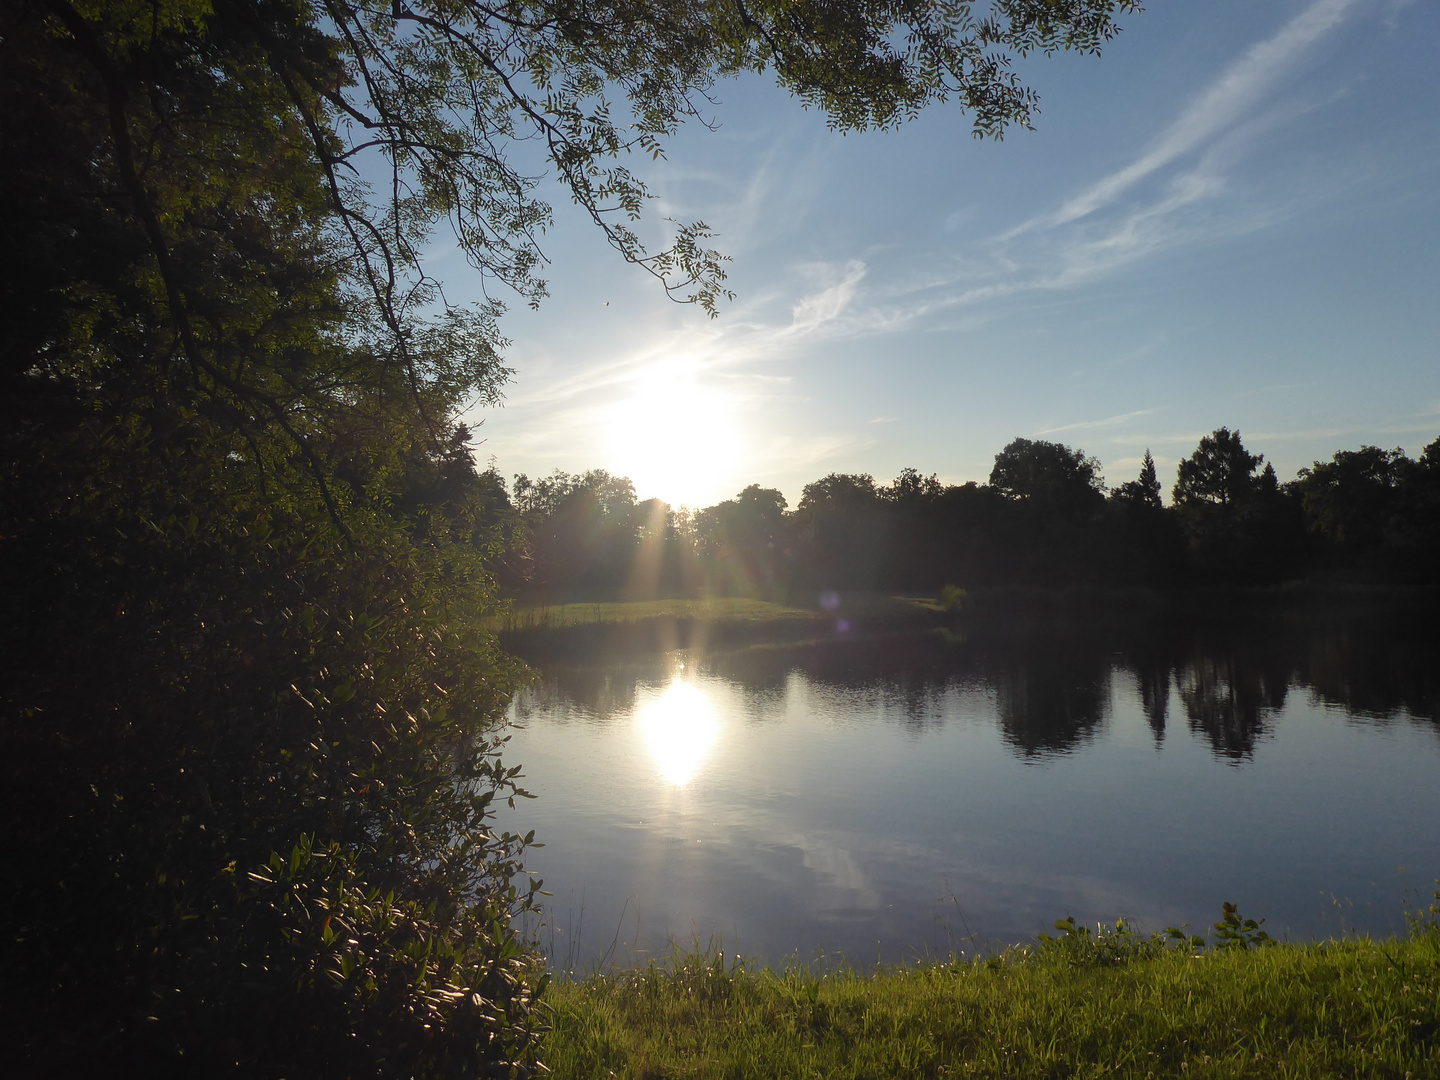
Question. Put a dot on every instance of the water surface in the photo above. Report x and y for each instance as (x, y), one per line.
(880, 800)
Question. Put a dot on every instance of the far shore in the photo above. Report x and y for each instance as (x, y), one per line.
(603, 627)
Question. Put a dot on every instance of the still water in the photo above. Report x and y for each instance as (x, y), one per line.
(887, 799)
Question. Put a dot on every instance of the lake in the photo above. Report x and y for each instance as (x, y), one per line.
(911, 795)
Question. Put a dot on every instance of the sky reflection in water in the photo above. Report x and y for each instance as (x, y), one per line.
(886, 802)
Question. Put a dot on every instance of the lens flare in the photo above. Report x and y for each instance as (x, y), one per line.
(679, 728)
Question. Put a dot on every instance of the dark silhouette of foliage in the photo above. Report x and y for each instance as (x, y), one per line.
(207, 680)
(743, 542)
(1049, 474)
(1144, 491)
(1241, 526)
(840, 531)
(1052, 523)
(1043, 521)
(1350, 499)
(1373, 513)
(1368, 514)
(1221, 472)
(242, 572)
(586, 537)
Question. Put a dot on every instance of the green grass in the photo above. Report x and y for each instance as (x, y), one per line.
(1072, 1008)
(716, 609)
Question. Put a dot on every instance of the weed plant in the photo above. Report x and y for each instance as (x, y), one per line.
(1111, 1003)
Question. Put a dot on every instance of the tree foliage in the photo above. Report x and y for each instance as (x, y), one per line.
(1042, 522)
(1049, 474)
(1144, 491)
(1221, 472)
(248, 696)
(1351, 498)
(1374, 511)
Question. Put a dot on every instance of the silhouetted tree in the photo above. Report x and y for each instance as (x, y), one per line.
(743, 542)
(583, 533)
(1242, 528)
(1352, 504)
(1221, 472)
(840, 532)
(912, 489)
(974, 527)
(1049, 476)
(1414, 530)
(1145, 543)
(915, 538)
(1056, 497)
(1144, 491)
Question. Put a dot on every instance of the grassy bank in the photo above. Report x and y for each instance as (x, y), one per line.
(598, 630)
(712, 609)
(1118, 1006)
(999, 604)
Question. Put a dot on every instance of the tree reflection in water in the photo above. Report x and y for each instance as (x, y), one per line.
(1227, 701)
(1052, 691)
(1052, 702)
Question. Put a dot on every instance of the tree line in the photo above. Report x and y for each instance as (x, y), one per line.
(1045, 518)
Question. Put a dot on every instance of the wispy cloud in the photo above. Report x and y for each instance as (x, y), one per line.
(827, 305)
(1233, 96)
(1091, 425)
(1185, 189)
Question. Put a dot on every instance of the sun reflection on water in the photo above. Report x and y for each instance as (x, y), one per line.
(679, 728)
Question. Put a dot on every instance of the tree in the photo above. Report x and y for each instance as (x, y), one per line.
(743, 542)
(1147, 544)
(1416, 530)
(1350, 499)
(911, 488)
(246, 680)
(1242, 528)
(1144, 491)
(1047, 474)
(1054, 497)
(841, 532)
(584, 531)
(1221, 472)
(1375, 511)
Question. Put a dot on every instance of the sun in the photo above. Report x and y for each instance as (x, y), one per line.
(674, 438)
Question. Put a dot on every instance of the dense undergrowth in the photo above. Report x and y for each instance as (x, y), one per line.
(1113, 1003)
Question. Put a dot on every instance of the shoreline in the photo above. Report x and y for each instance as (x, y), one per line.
(604, 630)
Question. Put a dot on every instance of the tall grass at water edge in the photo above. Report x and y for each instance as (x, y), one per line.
(1112, 1003)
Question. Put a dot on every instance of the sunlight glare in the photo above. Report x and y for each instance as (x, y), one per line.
(679, 728)
(675, 439)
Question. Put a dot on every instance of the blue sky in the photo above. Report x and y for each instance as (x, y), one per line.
(1230, 218)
